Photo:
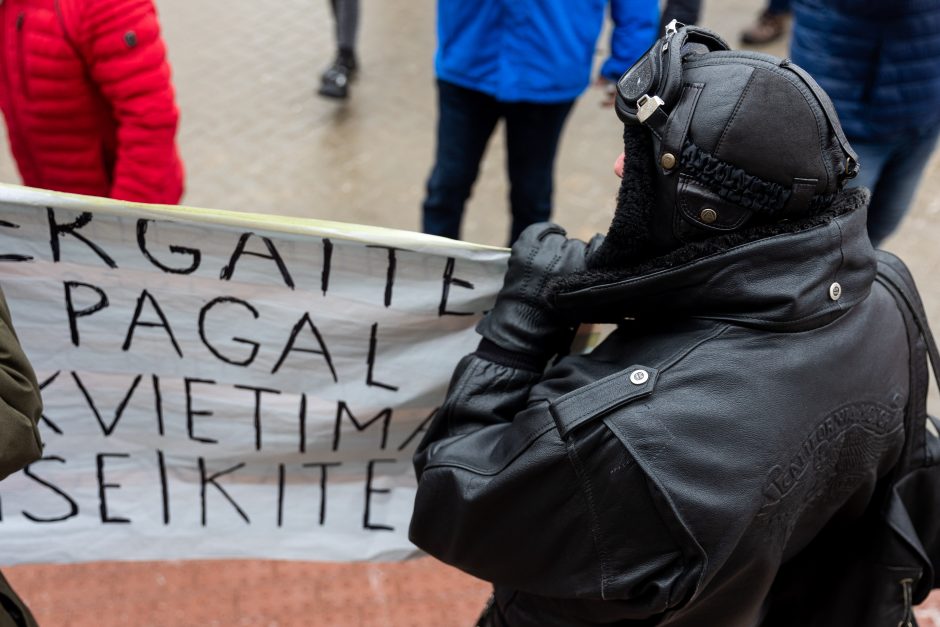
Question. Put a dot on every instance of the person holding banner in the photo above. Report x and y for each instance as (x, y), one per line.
(86, 93)
(748, 447)
(20, 444)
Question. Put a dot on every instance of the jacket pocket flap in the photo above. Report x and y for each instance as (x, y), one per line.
(601, 397)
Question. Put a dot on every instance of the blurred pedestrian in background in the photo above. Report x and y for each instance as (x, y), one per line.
(20, 444)
(770, 26)
(683, 11)
(523, 61)
(86, 93)
(879, 61)
(334, 82)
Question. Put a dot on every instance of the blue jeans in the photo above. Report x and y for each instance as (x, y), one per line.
(891, 170)
(466, 119)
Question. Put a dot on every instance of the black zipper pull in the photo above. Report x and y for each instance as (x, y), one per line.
(19, 20)
(908, 620)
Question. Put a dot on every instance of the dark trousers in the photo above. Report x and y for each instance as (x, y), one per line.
(346, 14)
(689, 11)
(466, 119)
(892, 169)
(685, 11)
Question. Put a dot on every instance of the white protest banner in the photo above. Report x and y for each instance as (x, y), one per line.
(226, 385)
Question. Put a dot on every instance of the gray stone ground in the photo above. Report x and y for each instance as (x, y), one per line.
(255, 137)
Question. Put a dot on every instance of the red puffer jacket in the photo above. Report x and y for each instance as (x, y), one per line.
(85, 89)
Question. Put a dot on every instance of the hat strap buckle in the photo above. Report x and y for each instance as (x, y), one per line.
(646, 106)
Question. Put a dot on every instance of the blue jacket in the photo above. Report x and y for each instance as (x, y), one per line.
(879, 61)
(537, 50)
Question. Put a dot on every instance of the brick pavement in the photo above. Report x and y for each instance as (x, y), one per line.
(256, 138)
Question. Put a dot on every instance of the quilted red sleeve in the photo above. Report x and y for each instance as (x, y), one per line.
(127, 60)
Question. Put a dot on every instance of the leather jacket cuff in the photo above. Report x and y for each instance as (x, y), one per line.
(511, 359)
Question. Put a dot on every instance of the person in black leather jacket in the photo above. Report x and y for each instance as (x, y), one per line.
(737, 452)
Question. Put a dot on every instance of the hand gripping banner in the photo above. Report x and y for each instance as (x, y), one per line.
(226, 385)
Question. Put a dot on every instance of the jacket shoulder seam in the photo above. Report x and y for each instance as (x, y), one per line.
(687, 350)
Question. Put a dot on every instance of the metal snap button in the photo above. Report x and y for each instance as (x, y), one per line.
(835, 291)
(668, 161)
(130, 39)
(639, 377)
(708, 215)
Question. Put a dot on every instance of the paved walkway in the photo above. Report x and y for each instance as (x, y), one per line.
(255, 137)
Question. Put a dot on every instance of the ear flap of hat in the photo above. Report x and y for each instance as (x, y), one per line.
(629, 237)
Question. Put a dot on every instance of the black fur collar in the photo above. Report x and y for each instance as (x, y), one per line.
(777, 276)
(609, 265)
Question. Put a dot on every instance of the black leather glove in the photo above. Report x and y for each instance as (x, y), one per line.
(523, 321)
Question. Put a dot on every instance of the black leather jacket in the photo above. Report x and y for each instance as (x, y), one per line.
(726, 458)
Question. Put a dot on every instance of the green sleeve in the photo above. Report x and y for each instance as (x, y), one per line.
(20, 403)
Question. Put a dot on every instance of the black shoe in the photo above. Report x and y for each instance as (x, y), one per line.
(334, 83)
(768, 28)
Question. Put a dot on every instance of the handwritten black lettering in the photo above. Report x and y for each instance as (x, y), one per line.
(389, 273)
(327, 262)
(164, 487)
(323, 466)
(157, 402)
(258, 392)
(196, 255)
(73, 506)
(450, 279)
(56, 231)
(106, 429)
(205, 480)
(102, 487)
(280, 494)
(10, 256)
(136, 322)
(342, 408)
(202, 331)
(302, 415)
(370, 379)
(324, 351)
(75, 314)
(273, 254)
(192, 413)
(421, 428)
(366, 516)
(43, 417)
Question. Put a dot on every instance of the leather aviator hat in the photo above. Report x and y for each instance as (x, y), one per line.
(738, 137)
